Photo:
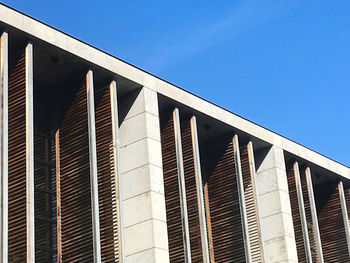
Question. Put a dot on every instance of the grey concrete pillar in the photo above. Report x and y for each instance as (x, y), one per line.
(276, 216)
(145, 228)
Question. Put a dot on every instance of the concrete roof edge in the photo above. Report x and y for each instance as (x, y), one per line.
(85, 51)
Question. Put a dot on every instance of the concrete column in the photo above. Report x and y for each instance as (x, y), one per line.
(276, 216)
(145, 228)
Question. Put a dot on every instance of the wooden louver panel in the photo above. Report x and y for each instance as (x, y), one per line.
(106, 177)
(172, 197)
(298, 232)
(251, 206)
(191, 193)
(310, 224)
(347, 200)
(45, 199)
(225, 218)
(331, 224)
(17, 164)
(76, 214)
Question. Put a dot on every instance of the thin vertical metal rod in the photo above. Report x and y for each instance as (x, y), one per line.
(182, 187)
(93, 168)
(58, 196)
(29, 154)
(345, 213)
(199, 188)
(251, 159)
(4, 147)
(240, 187)
(314, 214)
(302, 212)
(116, 147)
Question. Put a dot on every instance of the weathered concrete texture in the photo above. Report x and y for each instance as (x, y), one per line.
(276, 217)
(144, 216)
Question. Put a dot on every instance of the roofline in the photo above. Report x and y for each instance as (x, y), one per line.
(77, 47)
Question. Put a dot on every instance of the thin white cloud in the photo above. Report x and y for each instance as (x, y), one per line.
(188, 41)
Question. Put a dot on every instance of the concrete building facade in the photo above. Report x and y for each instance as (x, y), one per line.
(101, 161)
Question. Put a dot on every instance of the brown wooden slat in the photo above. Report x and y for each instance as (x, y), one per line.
(347, 199)
(106, 177)
(251, 206)
(225, 218)
(45, 199)
(298, 232)
(207, 214)
(331, 224)
(76, 215)
(191, 192)
(172, 197)
(312, 235)
(17, 164)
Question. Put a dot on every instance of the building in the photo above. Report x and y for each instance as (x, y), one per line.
(103, 162)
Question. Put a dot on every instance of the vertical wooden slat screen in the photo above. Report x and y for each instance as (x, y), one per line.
(311, 216)
(45, 198)
(17, 236)
(300, 222)
(251, 205)
(199, 190)
(347, 201)
(106, 176)
(224, 207)
(209, 228)
(116, 163)
(4, 147)
(176, 235)
(241, 196)
(347, 198)
(76, 214)
(331, 224)
(311, 227)
(191, 192)
(298, 232)
(345, 215)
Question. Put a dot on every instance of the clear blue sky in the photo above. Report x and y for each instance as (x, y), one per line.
(282, 64)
